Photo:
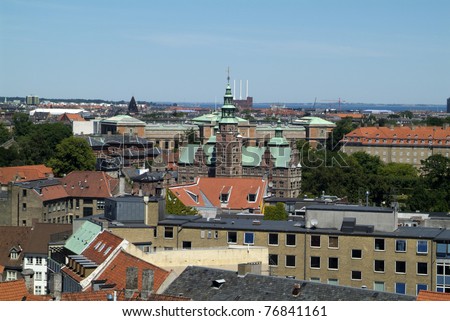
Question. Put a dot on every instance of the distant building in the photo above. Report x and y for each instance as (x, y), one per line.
(404, 144)
(132, 106)
(32, 100)
(448, 105)
(122, 125)
(243, 104)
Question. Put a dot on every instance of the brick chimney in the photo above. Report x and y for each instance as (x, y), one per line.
(29, 279)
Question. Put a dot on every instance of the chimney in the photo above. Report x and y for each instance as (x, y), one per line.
(131, 282)
(246, 268)
(56, 286)
(147, 284)
(29, 280)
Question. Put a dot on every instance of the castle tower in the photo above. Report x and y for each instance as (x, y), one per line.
(228, 139)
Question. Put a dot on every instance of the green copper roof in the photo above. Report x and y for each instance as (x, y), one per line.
(79, 240)
(282, 156)
(187, 153)
(124, 119)
(252, 156)
(314, 121)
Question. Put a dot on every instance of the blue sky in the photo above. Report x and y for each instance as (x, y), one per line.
(380, 51)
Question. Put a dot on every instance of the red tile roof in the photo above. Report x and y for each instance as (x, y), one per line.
(53, 192)
(70, 117)
(17, 291)
(102, 246)
(24, 173)
(209, 189)
(115, 272)
(89, 184)
(398, 136)
(433, 296)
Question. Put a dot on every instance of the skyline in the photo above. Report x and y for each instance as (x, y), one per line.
(289, 51)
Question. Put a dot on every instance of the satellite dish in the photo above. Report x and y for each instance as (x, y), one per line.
(314, 222)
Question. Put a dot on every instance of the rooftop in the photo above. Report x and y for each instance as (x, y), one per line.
(198, 284)
(24, 173)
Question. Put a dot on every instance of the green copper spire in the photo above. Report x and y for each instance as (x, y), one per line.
(228, 108)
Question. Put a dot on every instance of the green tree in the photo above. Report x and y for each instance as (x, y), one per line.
(343, 127)
(5, 135)
(72, 154)
(22, 124)
(275, 213)
(369, 164)
(436, 170)
(176, 207)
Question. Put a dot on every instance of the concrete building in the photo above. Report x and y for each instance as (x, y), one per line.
(408, 145)
(122, 125)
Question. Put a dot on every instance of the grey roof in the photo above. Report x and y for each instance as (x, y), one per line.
(256, 222)
(38, 184)
(153, 176)
(197, 283)
(352, 208)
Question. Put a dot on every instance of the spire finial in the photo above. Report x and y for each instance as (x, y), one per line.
(228, 76)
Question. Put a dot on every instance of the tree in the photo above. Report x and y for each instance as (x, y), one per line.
(72, 154)
(275, 213)
(343, 127)
(436, 170)
(5, 135)
(176, 207)
(22, 124)
(370, 164)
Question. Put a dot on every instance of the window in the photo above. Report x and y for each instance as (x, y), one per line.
(24, 193)
(317, 280)
(273, 259)
(378, 286)
(252, 197)
(315, 240)
(400, 245)
(87, 201)
(421, 287)
(187, 245)
(333, 263)
(400, 288)
(291, 239)
(333, 242)
(24, 206)
(249, 238)
(379, 244)
(379, 266)
(290, 260)
(38, 276)
(38, 289)
(443, 277)
(356, 254)
(400, 267)
(232, 237)
(422, 268)
(11, 275)
(38, 261)
(356, 275)
(100, 204)
(443, 250)
(315, 262)
(333, 281)
(224, 197)
(168, 232)
(13, 255)
(30, 260)
(422, 247)
(273, 239)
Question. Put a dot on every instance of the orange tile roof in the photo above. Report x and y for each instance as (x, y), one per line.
(17, 291)
(24, 173)
(70, 117)
(208, 191)
(115, 272)
(102, 246)
(433, 296)
(89, 184)
(53, 192)
(351, 115)
(428, 135)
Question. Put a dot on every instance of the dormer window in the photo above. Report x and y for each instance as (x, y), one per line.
(14, 253)
(193, 196)
(252, 197)
(224, 197)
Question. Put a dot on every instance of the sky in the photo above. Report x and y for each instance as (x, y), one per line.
(290, 51)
